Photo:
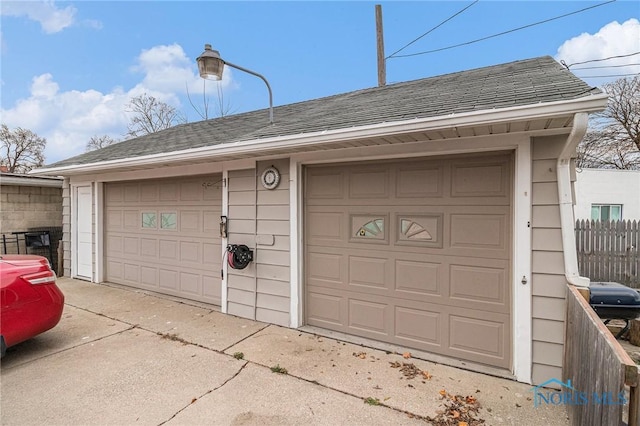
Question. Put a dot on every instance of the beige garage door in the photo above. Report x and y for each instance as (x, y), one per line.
(414, 253)
(163, 235)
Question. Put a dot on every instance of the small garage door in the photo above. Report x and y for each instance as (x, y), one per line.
(163, 235)
(414, 253)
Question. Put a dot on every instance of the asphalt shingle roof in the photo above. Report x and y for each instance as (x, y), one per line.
(519, 83)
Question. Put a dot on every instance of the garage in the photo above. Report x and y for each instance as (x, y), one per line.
(163, 235)
(415, 253)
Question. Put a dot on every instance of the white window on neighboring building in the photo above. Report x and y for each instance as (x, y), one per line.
(606, 211)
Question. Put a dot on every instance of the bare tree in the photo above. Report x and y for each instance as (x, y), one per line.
(613, 142)
(223, 109)
(21, 149)
(150, 116)
(99, 142)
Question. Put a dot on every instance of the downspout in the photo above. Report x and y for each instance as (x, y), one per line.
(563, 169)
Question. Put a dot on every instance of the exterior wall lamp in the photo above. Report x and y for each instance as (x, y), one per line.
(211, 65)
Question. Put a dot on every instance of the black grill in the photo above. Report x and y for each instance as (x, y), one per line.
(615, 301)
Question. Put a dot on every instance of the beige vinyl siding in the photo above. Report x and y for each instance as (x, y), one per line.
(259, 218)
(241, 284)
(549, 283)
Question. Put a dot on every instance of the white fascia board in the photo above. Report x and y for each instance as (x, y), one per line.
(257, 147)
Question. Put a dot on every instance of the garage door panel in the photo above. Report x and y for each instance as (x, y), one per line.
(485, 287)
(130, 246)
(149, 247)
(418, 327)
(325, 309)
(115, 269)
(325, 184)
(414, 253)
(419, 183)
(480, 180)
(418, 278)
(190, 221)
(130, 193)
(168, 279)
(325, 227)
(480, 231)
(178, 253)
(149, 276)
(190, 252)
(113, 220)
(481, 340)
(369, 316)
(114, 245)
(190, 283)
(326, 268)
(367, 272)
(369, 184)
(130, 220)
(131, 272)
(210, 286)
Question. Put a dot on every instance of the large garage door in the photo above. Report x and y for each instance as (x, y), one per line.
(414, 253)
(163, 235)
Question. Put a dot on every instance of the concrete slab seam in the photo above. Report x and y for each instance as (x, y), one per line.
(132, 327)
(363, 399)
(153, 294)
(245, 338)
(242, 367)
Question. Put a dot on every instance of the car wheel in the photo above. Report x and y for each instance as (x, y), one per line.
(3, 347)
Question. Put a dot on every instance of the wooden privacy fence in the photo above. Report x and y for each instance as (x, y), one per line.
(609, 250)
(599, 369)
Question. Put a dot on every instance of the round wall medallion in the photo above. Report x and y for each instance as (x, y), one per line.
(270, 178)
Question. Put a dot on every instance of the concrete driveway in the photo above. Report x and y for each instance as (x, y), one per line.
(123, 357)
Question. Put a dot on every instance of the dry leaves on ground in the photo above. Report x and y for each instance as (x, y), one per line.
(458, 411)
(410, 371)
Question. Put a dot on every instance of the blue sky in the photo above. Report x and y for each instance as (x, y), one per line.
(69, 68)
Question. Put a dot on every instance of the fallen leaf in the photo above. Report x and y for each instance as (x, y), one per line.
(426, 375)
(455, 414)
(443, 392)
(406, 355)
(463, 424)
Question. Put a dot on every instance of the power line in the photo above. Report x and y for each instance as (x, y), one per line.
(504, 32)
(607, 76)
(603, 59)
(607, 66)
(432, 29)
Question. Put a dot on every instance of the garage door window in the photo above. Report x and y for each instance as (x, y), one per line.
(422, 230)
(168, 220)
(149, 220)
(369, 227)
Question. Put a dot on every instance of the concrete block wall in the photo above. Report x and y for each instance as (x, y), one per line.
(25, 207)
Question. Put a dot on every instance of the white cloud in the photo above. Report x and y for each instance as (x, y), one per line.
(167, 69)
(614, 39)
(69, 119)
(51, 18)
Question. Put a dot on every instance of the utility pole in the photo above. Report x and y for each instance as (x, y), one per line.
(382, 66)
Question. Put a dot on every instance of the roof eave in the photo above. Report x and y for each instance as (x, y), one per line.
(591, 103)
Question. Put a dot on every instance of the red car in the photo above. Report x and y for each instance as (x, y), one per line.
(30, 301)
